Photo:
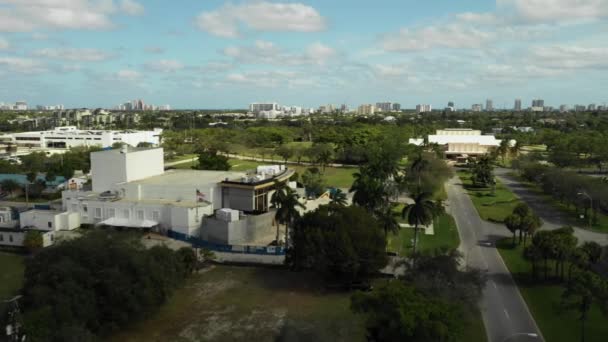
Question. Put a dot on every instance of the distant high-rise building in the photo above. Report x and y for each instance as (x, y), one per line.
(477, 107)
(343, 108)
(517, 106)
(141, 105)
(384, 106)
(259, 107)
(366, 109)
(591, 107)
(424, 108)
(538, 103)
(489, 105)
(396, 107)
(450, 107)
(563, 108)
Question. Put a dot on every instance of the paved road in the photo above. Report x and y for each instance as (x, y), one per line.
(505, 313)
(551, 217)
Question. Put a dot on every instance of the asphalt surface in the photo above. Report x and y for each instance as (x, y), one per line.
(552, 218)
(504, 311)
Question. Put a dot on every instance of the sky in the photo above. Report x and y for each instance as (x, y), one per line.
(227, 54)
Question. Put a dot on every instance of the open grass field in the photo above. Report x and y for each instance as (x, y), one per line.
(11, 274)
(544, 300)
(446, 235)
(490, 206)
(229, 303)
(602, 219)
(11, 277)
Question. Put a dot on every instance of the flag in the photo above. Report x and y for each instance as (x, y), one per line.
(200, 197)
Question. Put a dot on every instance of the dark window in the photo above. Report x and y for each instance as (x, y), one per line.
(10, 238)
(1, 237)
(50, 224)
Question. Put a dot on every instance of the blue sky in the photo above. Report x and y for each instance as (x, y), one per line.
(217, 54)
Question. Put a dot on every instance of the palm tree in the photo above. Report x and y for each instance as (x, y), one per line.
(368, 191)
(387, 220)
(503, 149)
(513, 222)
(339, 198)
(515, 149)
(418, 166)
(421, 212)
(9, 185)
(286, 201)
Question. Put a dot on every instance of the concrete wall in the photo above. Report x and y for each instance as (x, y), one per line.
(11, 238)
(242, 232)
(39, 219)
(112, 167)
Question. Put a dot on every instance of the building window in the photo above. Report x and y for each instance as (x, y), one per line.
(140, 214)
(156, 215)
(50, 224)
(1, 237)
(85, 208)
(98, 213)
(111, 212)
(10, 238)
(126, 213)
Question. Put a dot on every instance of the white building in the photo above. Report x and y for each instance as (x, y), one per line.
(477, 107)
(384, 106)
(47, 222)
(131, 189)
(366, 109)
(423, 108)
(461, 142)
(259, 107)
(70, 136)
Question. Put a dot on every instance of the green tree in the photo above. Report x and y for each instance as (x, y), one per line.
(284, 152)
(421, 212)
(582, 291)
(513, 222)
(33, 240)
(338, 197)
(211, 160)
(10, 186)
(344, 244)
(397, 312)
(313, 182)
(286, 201)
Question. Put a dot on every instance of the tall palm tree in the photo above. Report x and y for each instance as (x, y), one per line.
(368, 191)
(418, 166)
(421, 212)
(339, 198)
(286, 201)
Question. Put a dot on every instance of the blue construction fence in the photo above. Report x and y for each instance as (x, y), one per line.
(199, 243)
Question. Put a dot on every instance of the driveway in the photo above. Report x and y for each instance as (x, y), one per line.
(552, 218)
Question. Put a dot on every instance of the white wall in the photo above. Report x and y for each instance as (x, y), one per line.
(39, 219)
(111, 167)
(11, 238)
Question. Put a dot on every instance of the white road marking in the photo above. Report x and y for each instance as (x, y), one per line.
(506, 314)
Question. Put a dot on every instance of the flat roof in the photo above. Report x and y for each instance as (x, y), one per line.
(484, 140)
(189, 177)
(94, 196)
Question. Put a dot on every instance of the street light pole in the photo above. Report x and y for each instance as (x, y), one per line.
(583, 193)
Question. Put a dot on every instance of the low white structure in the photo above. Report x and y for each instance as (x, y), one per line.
(461, 142)
(48, 220)
(70, 136)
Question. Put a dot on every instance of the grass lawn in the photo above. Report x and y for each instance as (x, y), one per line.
(11, 276)
(544, 300)
(334, 177)
(446, 235)
(492, 207)
(229, 303)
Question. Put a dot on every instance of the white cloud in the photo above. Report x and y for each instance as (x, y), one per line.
(73, 54)
(263, 78)
(570, 57)
(127, 75)
(22, 65)
(154, 49)
(555, 10)
(450, 36)
(4, 44)
(165, 65)
(261, 16)
(131, 7)
(264, 52)
(27, 15)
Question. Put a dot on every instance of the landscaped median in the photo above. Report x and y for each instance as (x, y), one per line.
(492, 205)
(544, 300)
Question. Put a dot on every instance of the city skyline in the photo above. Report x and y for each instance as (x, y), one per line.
(226, 55)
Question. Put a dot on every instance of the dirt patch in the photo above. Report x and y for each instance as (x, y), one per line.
(223, 325)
